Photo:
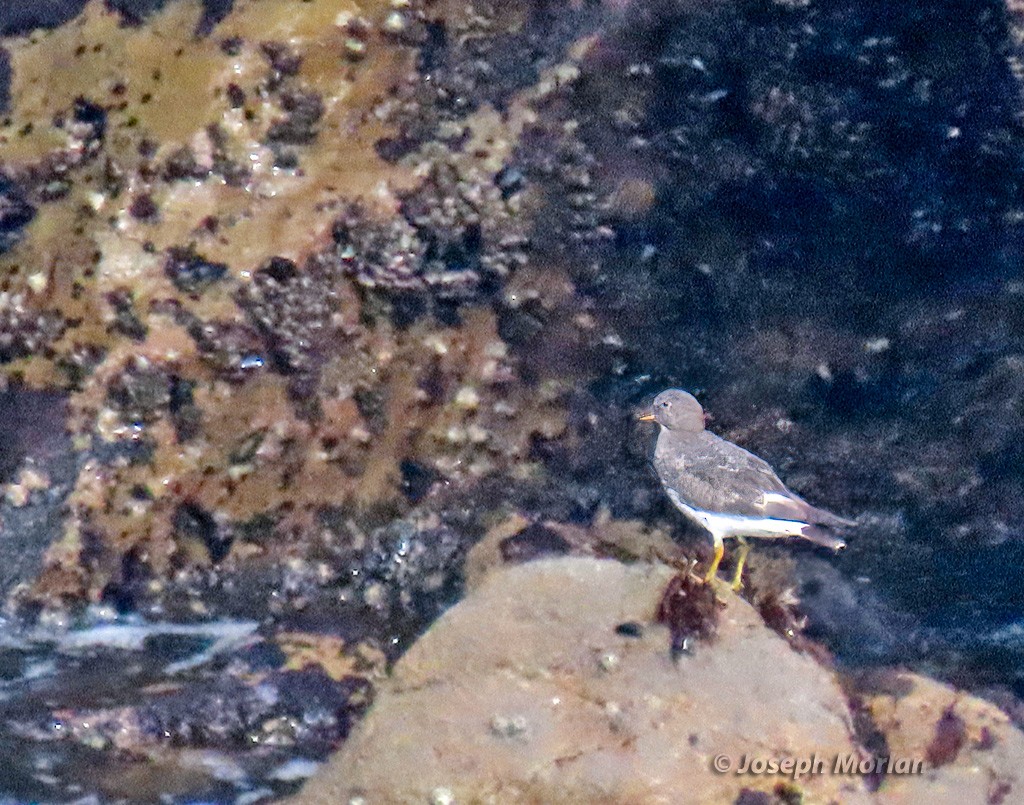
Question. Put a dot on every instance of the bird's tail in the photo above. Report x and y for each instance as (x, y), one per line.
(820, 536)
(822, 517)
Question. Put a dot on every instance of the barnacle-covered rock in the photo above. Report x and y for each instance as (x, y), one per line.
(294, 312)
(407, 570)
(386, 255)
(455, 235)
(467, 224)
(25, 331)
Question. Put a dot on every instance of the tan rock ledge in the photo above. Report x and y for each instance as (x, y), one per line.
(525, 692)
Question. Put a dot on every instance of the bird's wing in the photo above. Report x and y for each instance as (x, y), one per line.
(744, 479)
(714, 475)
(747, 484)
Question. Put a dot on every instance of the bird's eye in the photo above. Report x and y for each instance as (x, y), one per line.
(665, 404)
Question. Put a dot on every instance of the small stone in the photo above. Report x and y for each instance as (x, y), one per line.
(442, 796)
(608, 661)
(630, 629)
(508, 726)
(355, 49)
(29, 481)
(374, 596)
(504, 409)
(456, 434)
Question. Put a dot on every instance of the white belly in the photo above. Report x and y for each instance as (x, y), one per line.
(738, 525)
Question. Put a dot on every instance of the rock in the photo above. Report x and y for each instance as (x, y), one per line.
(974, 753)
(527, 691)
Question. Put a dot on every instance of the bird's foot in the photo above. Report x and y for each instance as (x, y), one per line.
(736, 583)
(711, 577)
(741, 560)
(720, 586)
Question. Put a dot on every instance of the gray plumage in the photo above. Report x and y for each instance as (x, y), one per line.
(726, 489)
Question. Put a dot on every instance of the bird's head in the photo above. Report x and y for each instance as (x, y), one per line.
(676, 410)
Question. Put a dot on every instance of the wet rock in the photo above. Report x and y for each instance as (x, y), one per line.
(135, 12)
(304, 709)
(294, 314)
(526, 691)
(975, 753)
(18, 18)
(850, 618)
(407, 571)
(15, 213)
(33, 438)
(303, 110)
(190, 272)
(25, 331)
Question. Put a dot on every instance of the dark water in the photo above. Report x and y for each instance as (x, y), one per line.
(119, 709)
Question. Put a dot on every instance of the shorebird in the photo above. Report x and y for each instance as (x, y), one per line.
(727, 490)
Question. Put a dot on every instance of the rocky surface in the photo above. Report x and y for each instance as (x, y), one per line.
(531, 690)
(553, 682)
(972, 748)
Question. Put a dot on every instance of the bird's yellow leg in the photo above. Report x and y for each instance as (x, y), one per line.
(719, 551)
(737, 578)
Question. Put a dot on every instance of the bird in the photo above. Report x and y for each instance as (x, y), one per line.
(726, 490)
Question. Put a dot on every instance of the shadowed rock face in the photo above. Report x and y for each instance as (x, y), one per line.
(19, 18)
(820, 248)
(32, 435)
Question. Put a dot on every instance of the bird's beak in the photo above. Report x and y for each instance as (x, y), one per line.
(648, 417)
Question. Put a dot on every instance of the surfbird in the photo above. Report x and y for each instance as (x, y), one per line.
(727, 490)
